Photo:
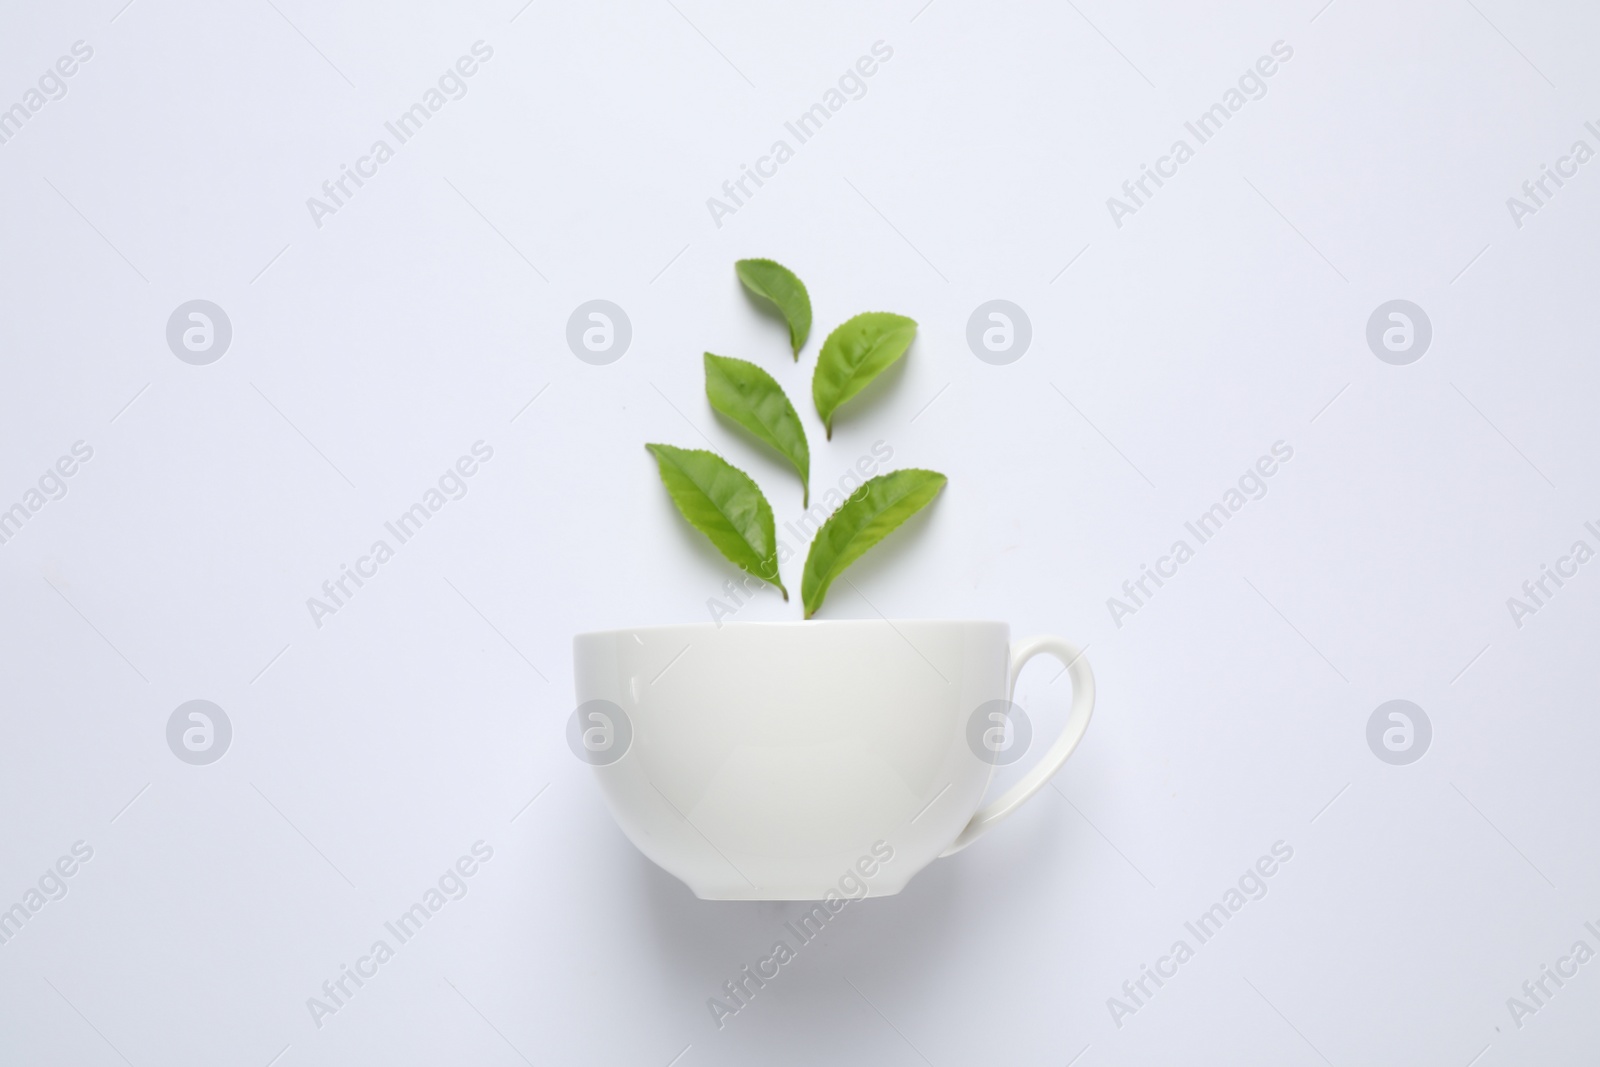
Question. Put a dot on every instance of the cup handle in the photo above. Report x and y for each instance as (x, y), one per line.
(1071, 734)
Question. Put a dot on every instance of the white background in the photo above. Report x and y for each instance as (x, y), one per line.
(370, 352)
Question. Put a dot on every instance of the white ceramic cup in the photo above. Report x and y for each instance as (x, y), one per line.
(787, 760)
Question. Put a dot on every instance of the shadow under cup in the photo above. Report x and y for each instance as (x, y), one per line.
(785, 761)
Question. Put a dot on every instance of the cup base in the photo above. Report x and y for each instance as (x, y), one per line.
(788, 893)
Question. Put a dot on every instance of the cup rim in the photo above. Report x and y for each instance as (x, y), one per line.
(770, 624)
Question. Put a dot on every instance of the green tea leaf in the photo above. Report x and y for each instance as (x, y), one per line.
(723, 503)
(778, 284)
(749, 396)
(854, 354)
(870, 515)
